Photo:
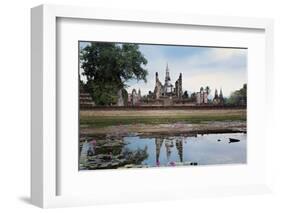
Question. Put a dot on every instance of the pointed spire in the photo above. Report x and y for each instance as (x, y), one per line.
(158, 144)
(167, 78)
(221, 95)
(167, 67)
(216, 94)
(156, 77)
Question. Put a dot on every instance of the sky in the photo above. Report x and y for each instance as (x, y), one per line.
(218, 68)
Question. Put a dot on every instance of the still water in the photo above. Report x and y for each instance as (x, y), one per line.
(135, 151)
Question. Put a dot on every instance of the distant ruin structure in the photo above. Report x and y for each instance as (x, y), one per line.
(134, 99)
(164, 94)
(218, 99)
(120, 100)
(85, 99)
(202, 96)
(167, 90)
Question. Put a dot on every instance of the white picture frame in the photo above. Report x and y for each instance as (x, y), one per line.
(44, 148)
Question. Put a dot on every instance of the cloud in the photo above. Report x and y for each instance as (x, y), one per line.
(200, 66)
(224, 68)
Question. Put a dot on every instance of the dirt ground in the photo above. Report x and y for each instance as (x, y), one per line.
(167, 129)
(163, 122)
(202, 112)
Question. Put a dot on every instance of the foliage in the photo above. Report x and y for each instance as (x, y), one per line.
(238, 97)
(103, 94)
(185, 95)
(108, 66)
(81, 85)
(193, 97)
(125, 95)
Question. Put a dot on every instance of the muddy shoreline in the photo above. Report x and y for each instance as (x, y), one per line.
(179, 129)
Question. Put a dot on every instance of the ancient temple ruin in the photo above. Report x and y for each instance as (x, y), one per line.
(85, 99)
(202, 96)
(218, 99)
(164, 94)
(134, 99)
(168, 90)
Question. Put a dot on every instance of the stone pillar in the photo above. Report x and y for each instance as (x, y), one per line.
(120, 101)
(180, 86)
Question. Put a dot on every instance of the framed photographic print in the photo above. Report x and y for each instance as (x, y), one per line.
(131, 118)
(149, 106)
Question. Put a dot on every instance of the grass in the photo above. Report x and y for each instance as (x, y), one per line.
(89, 119)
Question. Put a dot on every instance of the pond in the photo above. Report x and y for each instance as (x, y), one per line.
(138, 152)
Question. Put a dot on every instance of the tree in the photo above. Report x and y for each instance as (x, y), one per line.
(238, 97)
(81, 85)
(108, 66)
(193, 97)
(185, 95)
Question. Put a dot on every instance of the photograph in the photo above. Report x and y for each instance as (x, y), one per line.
(161, 105)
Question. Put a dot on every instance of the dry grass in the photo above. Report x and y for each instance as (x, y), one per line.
(105, 118)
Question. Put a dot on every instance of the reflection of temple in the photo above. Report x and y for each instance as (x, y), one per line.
(179, 147)
(169, 145)
(158, 144)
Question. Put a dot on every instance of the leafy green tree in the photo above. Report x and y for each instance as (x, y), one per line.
(81, 85)
(238, 97)
(193, 97)
(108, 66)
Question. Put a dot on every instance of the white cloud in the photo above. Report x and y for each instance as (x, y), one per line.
(220, 54)
(217, 79)
(217, 67)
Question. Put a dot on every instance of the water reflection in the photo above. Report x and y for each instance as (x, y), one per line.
(137, 152)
